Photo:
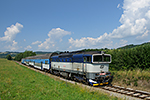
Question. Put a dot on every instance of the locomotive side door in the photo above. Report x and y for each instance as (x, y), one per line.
(84, 68)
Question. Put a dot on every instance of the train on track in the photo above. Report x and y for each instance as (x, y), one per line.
(91, 67)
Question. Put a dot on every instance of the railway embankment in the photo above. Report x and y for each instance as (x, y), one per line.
(136, 79)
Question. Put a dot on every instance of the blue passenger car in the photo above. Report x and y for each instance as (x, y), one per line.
(41, 62)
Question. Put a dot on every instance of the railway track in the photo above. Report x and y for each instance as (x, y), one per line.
(128, 91)
(117, 89)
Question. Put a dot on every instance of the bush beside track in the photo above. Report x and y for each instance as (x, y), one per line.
(18, 82)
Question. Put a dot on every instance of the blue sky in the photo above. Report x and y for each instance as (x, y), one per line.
(51, 25)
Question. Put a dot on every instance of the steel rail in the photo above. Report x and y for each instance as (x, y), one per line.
(128, 91)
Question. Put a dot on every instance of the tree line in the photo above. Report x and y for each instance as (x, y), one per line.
(122, 58)
(129, 57)
(132, 58)
(19, 56)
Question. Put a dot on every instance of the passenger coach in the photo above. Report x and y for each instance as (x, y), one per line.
(41, 62)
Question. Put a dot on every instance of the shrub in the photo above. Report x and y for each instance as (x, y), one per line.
(9, 57)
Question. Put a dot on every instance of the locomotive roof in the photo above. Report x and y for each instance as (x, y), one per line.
(87, 52)
(92, 52)
(70, 54)
(44, 56)
(66, 54)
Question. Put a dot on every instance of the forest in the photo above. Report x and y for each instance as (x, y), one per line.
(131, 58)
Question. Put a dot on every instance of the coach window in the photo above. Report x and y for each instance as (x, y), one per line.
(46, 62)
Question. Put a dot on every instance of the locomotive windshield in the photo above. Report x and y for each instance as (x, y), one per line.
(101, 58)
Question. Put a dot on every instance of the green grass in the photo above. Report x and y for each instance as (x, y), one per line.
(19, 82)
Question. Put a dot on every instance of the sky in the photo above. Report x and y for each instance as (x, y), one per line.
(69, 25)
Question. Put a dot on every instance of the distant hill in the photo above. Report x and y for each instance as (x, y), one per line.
(132, 46)
(13, 54)
(4, 54)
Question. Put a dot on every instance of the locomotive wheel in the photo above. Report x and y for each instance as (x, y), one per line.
(86, 83)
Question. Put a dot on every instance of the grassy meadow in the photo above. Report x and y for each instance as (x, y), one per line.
(18, 82)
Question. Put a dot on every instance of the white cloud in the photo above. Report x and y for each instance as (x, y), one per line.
(54, 36)
(11, 32)
(36, 42)
(88, 41)
(28, 47)
(135, 21)
(123, 42)
(143, 36)
(148, 14)
(24, 40)
(118, 5)
(13, 47)
(9, 36)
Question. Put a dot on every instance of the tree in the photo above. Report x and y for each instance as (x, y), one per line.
(24, 55)
(28, 53)
(9, 57)
(19, 56)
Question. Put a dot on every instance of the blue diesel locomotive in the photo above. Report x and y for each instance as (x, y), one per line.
(88, 67)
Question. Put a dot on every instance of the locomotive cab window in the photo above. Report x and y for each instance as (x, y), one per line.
(97, 58)
(101, 58)
(107, 58)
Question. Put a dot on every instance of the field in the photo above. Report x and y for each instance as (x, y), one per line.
(19, 82)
